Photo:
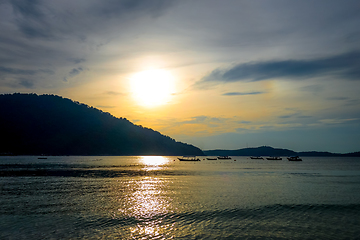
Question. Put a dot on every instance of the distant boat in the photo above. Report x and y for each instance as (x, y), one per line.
(189, 159)
(224, 157)
(257, 157)
(274, 158)
(294, 158)
(211, 158)
(42, 157)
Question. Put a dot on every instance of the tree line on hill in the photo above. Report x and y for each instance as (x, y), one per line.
(32, 124)
(270, 151)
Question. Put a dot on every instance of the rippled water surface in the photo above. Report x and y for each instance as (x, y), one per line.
(162, 198)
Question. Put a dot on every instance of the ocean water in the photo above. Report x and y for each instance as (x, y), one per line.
(150, 197)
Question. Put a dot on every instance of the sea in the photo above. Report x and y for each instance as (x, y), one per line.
(159, 197)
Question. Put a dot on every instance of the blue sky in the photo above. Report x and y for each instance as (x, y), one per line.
(233, 73)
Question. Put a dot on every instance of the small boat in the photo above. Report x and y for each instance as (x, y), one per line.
(189, 159)
(42, 157)
(257, 157)
(274, 158)
(294, 158)
(211, 158)
(224, 157)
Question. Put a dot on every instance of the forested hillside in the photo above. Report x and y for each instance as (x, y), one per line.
(52, 125)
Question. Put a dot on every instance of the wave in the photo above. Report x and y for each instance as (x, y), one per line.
(319, 221)
(278, 221)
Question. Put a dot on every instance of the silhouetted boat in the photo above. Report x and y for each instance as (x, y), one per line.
(274, 158)
(294, 158)
(189, 159)
(224, 157)
(42, 157)
(211, 158)
(257, 157)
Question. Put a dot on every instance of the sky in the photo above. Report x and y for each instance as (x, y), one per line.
(223, 74)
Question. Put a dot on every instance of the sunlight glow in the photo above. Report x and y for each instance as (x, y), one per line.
(152, 87)
(154, 160)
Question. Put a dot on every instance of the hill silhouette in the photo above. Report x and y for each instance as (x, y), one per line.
(32, 124)
(270, 151)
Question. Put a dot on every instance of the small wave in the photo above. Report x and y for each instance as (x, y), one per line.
(85, 173)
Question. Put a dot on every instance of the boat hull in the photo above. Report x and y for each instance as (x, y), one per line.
(188, 160)
(274, 158)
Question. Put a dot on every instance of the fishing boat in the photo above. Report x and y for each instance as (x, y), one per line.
(256, 157)
(274, 158)
(211, 158)
(189, 159)
(224, 157)
(294, 158)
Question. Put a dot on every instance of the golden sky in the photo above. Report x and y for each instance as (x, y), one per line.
(216, 74)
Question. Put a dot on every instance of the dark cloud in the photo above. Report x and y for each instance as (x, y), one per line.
(286, 116)
(241, 93)
(118, 8)
(16, 71)
(345, 65)
(39, 19)
(337, 98)
(244, 122)
(73, 73)
(26, 83)
(31, 19)
(77, 60)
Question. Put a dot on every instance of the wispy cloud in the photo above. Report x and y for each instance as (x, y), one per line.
(113, 93)
(337, 120)
(241, 93)
(345, 65)
(104, 106)
(17, 71)
(73, 73)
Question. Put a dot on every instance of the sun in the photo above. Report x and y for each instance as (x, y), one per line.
(152, 88)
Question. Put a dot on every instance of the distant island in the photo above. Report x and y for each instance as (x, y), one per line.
(270, 151)
(32, 124)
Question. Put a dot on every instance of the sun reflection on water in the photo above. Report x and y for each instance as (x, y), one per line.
(154, 160)
(148, 202)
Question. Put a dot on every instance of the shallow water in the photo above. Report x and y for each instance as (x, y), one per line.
(162, 198)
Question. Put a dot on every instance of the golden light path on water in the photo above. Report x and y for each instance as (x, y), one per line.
(149, 202)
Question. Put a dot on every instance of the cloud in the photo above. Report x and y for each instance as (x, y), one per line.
(346, 65)
(203, 119)
(39, 19)
(17, 71)
(337, 98)
(337, 120)
(241, 93)
(26, 83)
(73, 73)
(113, 93)
(116, 8)
(312, 88)
(244, 122)
(104, 106)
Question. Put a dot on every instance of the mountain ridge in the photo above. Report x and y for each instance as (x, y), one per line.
(270, 151)
(47, 124)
